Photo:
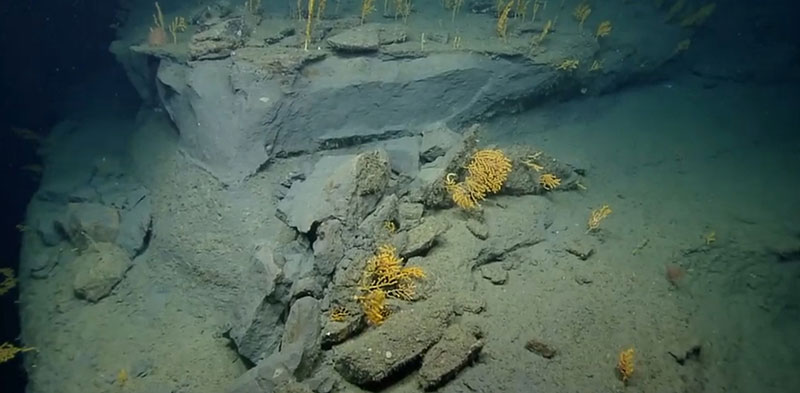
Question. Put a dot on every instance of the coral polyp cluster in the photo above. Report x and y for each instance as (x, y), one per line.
(487, 171)
(625, 364)
(384, 275)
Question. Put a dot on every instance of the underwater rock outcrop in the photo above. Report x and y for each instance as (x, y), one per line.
(344, 187)
(380, 354)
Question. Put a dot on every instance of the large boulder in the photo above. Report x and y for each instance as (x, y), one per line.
(346, 188)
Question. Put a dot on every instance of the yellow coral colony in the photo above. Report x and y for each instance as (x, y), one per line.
(453, 5)
(367, 7)
(698, 17)
(402, 8)
(537, 40)
(487, 171)
(581, 13)
(339, 314)
(384, 275)
(321, 9)
(309, 19)
(461, 196)
(625, 364)
(178, 25)
(603, 29)
(502, 21)
(157, 30)
(549, 181)
(252, 6)
(9, 282)
(537, 4)
(568, 65)
(597, 216)
(9, 350)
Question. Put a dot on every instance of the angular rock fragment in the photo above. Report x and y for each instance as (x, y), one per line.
(421, 238)
(99, 270)
(392, 348)
(457, 348)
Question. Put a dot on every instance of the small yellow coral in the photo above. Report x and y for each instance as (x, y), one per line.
(597, 216)
(549, 181)
(603, 29)
(625, 364)
(568, 65)
(384, 275)
(9, 281)
(374, 305)
(9, 350)
(460, 194)
(502, 20)
(122, 377)
(367, 7)
(698, 17)
(339, 314)
(581, 13)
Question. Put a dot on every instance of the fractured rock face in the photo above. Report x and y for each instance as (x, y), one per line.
(88, 222)
(256, 328)
(99, 270)
(380, 354)
(346, 188)
(457, 348)
(218, 40)
(303, 329)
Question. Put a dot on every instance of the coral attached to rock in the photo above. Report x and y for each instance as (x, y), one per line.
(384, 275)
(487, 171)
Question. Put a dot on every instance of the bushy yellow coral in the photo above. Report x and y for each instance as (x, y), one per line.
(338, 314)
(596, 217)
(384, 275)
(487, 171)
(625, 364)
(549, 181)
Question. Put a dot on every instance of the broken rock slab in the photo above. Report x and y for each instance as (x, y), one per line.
(385, 351)
(458, 348)
(346, 188)
(422, 237)
(91, 222)
(99, 270)
(256, 327)
(303, 328)
(361, 39)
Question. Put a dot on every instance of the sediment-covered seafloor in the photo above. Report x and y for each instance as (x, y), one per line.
(300, 206)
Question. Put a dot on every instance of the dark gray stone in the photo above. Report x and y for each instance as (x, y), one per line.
(221, 108)
(256, 327)
(380, 354)
(359, 39)
(422, 237)
(436, 142)
(346, 188)
(303, 328)
(409, 215)
(458, 347)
